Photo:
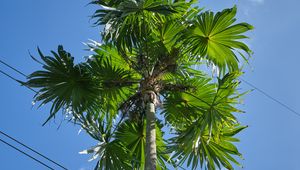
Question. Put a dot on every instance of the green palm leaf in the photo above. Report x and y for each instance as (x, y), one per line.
(214, 103)
(102, 84)
(63, 83)
(125, 148)
(127, 23)
(133, 137)
(199, 117)
(216, 38)
(111, 153)
(201, 148)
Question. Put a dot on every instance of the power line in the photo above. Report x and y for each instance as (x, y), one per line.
(6, 74)
(1, 61)
(18, 71)
(32, 150)
(9, 76)
(18, 81)
(26, 154)
(272, 98)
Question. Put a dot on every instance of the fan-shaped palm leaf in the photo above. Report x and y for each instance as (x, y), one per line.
(198, 147)
(112, 154)
(126, 147)
(127, 23)
(63, 83)
(216, 38)
(198, 115)
(214, 103)
(102, 83)
(133, 136)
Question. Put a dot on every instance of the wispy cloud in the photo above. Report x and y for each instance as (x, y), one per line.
(250, 6)
(258, 1)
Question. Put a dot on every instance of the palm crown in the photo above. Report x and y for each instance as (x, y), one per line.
(151, 54)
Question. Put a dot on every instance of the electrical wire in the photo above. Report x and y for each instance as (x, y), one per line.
(10, 137)
(5, 134)
(18, 81)
(26, 154)
(16, 70)
(272, 98)
(9, 76)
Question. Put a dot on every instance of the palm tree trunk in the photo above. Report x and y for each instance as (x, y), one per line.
(150, 137)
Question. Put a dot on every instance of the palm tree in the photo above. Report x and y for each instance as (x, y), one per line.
(149, 77)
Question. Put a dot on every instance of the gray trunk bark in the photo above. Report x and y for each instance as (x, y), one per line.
(150, 137)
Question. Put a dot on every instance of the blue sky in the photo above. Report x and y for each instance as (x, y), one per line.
(270, 143)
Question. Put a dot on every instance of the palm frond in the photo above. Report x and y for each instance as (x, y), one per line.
(62, 82)
(168, 35)
(101, 84)
(210, 102)
(129, 22)
(133, 137)
(201, 148)
(116, 80)
(111, 154)
(200, 116)
(181, 107)
(217, 38)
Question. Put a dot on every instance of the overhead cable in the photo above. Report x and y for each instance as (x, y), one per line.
(272, 98)
(10, 137)
(40, 162)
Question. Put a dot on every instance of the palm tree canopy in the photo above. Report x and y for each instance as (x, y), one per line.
(158, 46)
